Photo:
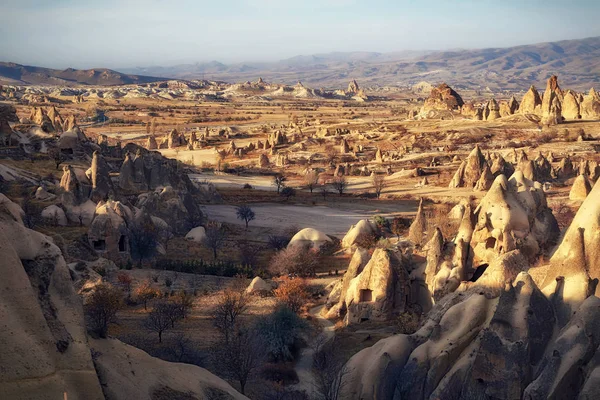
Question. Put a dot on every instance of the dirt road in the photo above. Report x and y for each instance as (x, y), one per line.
(306, 380)
(331, 221)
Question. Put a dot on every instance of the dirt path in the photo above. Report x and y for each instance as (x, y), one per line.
(331, 221)
(306, 380)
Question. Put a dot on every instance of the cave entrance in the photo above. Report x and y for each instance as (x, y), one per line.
(478, 272)
(366, 295)
(99, 245)
(122, 244)
(490, 243)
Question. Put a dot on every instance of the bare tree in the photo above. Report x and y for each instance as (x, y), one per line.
(311, 179)
(340, 184)
(143, 239)
(184, 303)
(173, 312)
(159, 319)
(232, 303)
(248, 253)
(245, 213)
(295, 260)
(57, 156)
(331, 153)
(216, 236)
(279, 182)
(329, 369)
(288, 192)
(101, 307)
(145, 292)
(241, 355)
(324, 191)
(379, 183)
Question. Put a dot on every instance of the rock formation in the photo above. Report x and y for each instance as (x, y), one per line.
(576, 261)
(470, 170)
(485, 180)
(7, 114)
(442, 98)
(353, 87)
(513, 215)
(151, 143)
(531, 102)
(416, 232)
(71, 186)
(263, 161)
(570, 106)
(381, 289)
(309, 238)
(46, 353)
(44, 350)
(102, 185)
(551, 103)
(580, 189)
(363, 228)
(590, 106)
(492, 110)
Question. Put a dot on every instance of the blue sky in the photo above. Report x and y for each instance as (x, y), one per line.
(126, 33)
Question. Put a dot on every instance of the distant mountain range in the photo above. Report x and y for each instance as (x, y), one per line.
(11, 73)
(576, 62)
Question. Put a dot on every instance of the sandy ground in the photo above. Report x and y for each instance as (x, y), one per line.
(234, 181)
(306, 380)
(331, 221)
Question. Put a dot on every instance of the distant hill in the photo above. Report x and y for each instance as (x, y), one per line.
(577, 62)
(11, 73)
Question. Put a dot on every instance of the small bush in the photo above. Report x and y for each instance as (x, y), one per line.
(295, 260)
(282, 333)
(284, 373)
(381, 222)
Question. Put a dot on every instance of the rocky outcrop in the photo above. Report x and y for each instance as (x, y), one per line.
(309, 238)
(263, 161)
(336, 306)
(73, 191)
(481, 343)
(102, 186)
(353, 87)
(380, 290)
(364, 228)
(174, 139)
(442, 98)
(485, 180)
(580, 189)
(108, 234)
(177, 209)
(576, 261)
(151, 143)
(418, 228)
(492, 111)
(531, 102)
(552, 103)
(570, 106)
(130, 373)
(46, 353)
(39, 117)
(513, 215)
(44, 350)
(7, 114)
(470, 170)
(590, 106)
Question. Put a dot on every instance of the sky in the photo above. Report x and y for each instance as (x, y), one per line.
(129, 33)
